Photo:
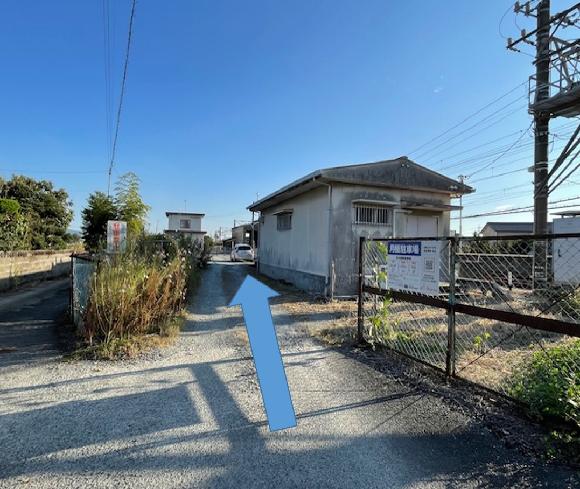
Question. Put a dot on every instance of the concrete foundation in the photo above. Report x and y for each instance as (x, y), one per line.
(309, 282)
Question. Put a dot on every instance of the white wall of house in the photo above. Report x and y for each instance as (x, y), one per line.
(316, 246)
(177, 222)
(304, 247)
(346, 231)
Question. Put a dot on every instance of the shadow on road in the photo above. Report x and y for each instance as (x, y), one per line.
(28, 320)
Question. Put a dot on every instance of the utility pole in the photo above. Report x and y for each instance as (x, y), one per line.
(541, 119)
(557, 56)
(461, 180)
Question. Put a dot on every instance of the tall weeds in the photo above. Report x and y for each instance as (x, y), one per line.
(137, 292)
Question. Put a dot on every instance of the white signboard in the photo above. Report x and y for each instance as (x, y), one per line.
(413, 266)
(116, 236)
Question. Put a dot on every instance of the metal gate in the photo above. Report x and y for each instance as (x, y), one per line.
(493, 305)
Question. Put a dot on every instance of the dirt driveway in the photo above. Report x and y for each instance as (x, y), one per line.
(192, 417)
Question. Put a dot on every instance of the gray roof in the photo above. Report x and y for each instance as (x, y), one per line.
(194, 214)
(514, 227)
(399, 173)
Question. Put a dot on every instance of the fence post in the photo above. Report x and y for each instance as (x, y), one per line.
(360, 322)
(450, 357)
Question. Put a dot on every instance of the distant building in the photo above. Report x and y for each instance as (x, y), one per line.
(498, 229)
(243, 233)
(186, 224)
(310, 229)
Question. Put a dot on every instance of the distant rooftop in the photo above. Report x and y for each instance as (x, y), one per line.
(570, 213)
(514, 227)
(167, 214)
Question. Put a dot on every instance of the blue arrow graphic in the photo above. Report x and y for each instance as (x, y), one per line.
(253, 297)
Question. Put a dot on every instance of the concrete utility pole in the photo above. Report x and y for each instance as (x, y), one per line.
(541, 119)
(556, 56)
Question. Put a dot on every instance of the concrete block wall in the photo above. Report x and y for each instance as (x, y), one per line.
(21, 267)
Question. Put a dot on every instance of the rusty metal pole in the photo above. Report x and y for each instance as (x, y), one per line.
(450, 357)
(360, 324)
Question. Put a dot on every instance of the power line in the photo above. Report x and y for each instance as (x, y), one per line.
(507, 164)
(501, 21)
(120, 108)
(562, 127)
(523, 211)
(525, 168)
(562, 180)
(504, 153)
(60, 172)
(516, 210)
(458, 143)
(468, 117)
(484, 158)
(107, 69)
(481, 121)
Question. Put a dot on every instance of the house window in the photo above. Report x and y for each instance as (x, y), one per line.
(284, 221)
(375, 215)
(185, 223)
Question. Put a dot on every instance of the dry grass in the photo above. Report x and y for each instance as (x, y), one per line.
(131, 346)
(133, 295)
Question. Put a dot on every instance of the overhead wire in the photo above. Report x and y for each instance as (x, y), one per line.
(504, 153)
(469, 117)
(515, 210)
(107, 71)
(122, 94)
(485, 119)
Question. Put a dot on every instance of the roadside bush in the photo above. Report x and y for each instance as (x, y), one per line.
(549, 384)
(136, 293)
(382, 324)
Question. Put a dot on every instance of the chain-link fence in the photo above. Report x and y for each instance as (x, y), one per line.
(485, 309)
(83, 267)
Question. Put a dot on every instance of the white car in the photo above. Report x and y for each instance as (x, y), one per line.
(242, 252)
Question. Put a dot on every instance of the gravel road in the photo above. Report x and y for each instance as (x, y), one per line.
(191, 416)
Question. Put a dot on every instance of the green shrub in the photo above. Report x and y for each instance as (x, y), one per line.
(14, 227)
(549, 383)
(10, 207)
(382, 324)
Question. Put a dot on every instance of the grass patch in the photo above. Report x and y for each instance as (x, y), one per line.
(130, 346)
(549, 383)
(338, 334)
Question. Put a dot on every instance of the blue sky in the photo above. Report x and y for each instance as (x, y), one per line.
(229, 99)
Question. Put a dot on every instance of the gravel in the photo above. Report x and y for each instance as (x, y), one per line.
(192, 416)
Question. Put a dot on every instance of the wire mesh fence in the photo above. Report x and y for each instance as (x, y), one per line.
(83, 267)
(497, 307)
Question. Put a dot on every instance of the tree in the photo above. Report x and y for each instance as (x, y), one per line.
(47, 210)
(14, 229)
(100, 209)
(130, 205)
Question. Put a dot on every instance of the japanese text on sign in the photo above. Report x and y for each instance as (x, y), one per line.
(413, 266)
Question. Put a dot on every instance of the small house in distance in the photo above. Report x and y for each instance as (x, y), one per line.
(310, 229)
(499, 229)
(187, 224)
